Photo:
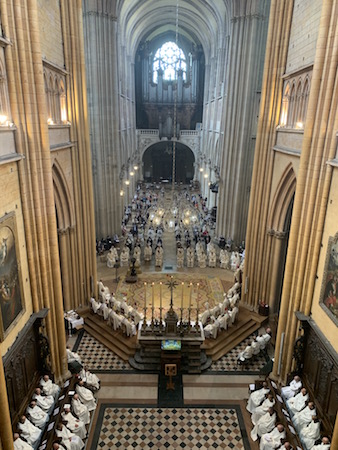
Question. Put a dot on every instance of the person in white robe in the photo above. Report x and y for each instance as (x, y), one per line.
(298, 402)
(86, 396)
(267, 336)
(255, 347)
(311, 433)
(70, 440)
(73, 424)
(44, 401)
(273, 439)
(29, 431)
(262, 409)
(48, 387)
(74, 361)
(304, 417)
(96, 306)
(80, 409)
(245, 355)
(324, 445)
(257, 397)
(19, 444)
(292, 389)
(286, 446)
(264, 425)
(224, 320)
(90, 378)
(233, 313)
(261, 342)
(37, 415)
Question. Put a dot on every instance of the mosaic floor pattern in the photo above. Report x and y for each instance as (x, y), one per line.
(229, 361)
(167, 428)
(96, 357)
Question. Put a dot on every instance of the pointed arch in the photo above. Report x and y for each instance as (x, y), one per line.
(63, 203)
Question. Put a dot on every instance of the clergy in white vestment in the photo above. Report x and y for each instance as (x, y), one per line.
(272, 440)
(261, 342)
(86, 396)
(264, 425)
(286, 446)
(292, 389)
(74, 361)
(80, 409)
(257, 397)
(255, 347)
(29, 431)
(298, 402)
(44, 401)
(36, 415)
(262, 409)
(324, 445)
(245, 355)
(95, 305)
(73, 424)
(304, 417)
(311, 433)
(90, 378)
(19, 444)
(70, 440)
(48, 387)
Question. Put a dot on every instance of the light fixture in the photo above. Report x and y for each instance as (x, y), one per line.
(121, 192)
(201, 169)
(135, 168)
(3, 119)
(206, 175)
(300, 125)
(127, 182)
(50, 121)
(131, 173)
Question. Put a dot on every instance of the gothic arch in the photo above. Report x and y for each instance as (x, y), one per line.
(278, 229)
(64, 207)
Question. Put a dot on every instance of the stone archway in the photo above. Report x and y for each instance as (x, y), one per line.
(158, 158)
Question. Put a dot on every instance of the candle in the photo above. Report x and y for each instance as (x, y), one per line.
(152, 296)
(160, 294)
(145, 295)
(190, 295)
(182, 296)
(198, 285)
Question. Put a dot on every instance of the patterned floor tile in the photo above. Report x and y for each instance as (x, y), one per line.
(96, 357)
(189, 428)
(229, 361)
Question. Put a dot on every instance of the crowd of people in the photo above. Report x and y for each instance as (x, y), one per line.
(70, 426)
(301, 414)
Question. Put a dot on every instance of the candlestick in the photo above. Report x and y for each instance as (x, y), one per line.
(161, 295)
(152, 295)
(145, 294)
(198, 285)
(190, 295)
(182, 296)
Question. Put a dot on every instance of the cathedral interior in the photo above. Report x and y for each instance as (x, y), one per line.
(168, 182)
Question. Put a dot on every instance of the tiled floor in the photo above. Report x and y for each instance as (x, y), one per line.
(165, 428)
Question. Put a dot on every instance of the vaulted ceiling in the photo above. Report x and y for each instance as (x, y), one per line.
(200, 21)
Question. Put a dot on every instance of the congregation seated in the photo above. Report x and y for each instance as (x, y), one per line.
(36, 415)
(310, 433)
(298, 402)
(304, 417)
(262, 409)
(86, 396)
(45, 402)
(323, 445)
(273, 439)
(257, 397)
(28, 431)
(265, 424)
(80, 410)
(48, 387)
(72, 423)
(292, 389)
(69, 440)
(20, 444)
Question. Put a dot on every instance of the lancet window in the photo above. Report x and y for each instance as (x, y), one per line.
(55, 96)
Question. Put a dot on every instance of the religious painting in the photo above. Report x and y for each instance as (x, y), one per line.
(329, 293)
(10, 293)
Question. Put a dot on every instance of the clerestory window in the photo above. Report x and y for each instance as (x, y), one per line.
(170, 59)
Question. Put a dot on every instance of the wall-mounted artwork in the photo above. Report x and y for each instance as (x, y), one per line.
(329, 292)
(10, 290)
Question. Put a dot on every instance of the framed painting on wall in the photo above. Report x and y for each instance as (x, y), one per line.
(11, 305)
(328, 297)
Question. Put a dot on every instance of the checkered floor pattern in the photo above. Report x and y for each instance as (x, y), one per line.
(96, 357)
(229, 361)
(168, 428)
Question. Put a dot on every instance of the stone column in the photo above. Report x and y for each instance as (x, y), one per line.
(65, 268)
(274, 264)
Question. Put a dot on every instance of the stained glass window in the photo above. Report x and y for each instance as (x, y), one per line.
(170, 58)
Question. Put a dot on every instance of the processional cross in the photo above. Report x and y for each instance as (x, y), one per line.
(171, 285)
